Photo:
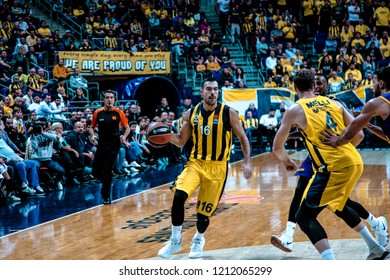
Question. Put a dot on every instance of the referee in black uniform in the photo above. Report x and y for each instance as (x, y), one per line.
(108, 120)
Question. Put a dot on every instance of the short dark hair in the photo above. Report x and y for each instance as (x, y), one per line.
(209, 79)
(383, 74)
(304, 80)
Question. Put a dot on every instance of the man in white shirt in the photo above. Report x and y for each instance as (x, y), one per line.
(270, 63)
(36, 101)
(45, 110)
(267, 125)
(56, 105)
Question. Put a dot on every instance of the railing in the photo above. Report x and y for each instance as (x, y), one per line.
(248, 60)
(47, 7)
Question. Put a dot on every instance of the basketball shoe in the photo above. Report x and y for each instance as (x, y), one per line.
(379, 256)
(169, 249)
(381, 231)
(197, 248)
(283, 242)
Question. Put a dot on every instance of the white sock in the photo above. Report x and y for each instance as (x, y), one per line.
(372, 220)
(327, 255)
(198, 235)
(290, 228)
(176, 233)
(370, 241)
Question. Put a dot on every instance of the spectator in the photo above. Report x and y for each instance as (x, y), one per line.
(213, 67)
(40, 148)
(252, 108)
(224, 58)
(270, 63)
(267, 125)
(336, 83)
(223, 12)
(79, 101)
(163, 107)
(56, 105)
(357, 75)
(250, 125)
(239, 76)
(60, 70)
(45, 110)
(270, 83)
(351, 83)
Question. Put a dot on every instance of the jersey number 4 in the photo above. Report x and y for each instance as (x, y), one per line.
(330, 123)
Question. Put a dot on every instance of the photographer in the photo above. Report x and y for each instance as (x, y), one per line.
(40, 147)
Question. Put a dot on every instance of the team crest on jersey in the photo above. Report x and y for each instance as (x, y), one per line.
(216, 117)
(114, 118)
(196, 119)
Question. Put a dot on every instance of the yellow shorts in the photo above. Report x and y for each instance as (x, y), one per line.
(210, 176)
(333, 188)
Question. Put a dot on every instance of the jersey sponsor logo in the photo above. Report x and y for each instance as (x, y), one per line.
(114, 118)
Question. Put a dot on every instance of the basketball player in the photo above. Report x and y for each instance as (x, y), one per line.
(336, 169)
(211, 125)
(305, 172)
(108, 120)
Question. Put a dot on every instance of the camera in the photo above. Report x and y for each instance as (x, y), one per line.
(37, 127)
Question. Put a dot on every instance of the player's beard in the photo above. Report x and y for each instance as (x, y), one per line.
(211, 102)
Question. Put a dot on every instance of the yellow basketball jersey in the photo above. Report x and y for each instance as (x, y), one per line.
(322, 113)
(211, 132)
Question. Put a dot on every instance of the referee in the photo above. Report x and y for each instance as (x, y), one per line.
(108, 120)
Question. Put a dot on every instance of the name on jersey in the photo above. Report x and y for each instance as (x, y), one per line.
(317, 103)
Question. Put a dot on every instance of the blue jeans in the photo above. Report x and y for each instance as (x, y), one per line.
(119, 159)
(133, 151)
(53, 167)
(28, 172)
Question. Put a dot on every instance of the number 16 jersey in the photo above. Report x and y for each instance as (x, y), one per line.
(322, 113)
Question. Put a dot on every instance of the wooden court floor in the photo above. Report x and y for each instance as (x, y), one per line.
(250, 211)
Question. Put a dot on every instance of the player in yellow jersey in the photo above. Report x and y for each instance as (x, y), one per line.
(211, 125)
(336, 170)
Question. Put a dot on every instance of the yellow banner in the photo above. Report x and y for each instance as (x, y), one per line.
(118, 63)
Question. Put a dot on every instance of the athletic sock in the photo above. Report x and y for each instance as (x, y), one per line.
(176, 233)
(370, 241)
(198, 235)
(328, 255)
(290, 228)
(372, 220)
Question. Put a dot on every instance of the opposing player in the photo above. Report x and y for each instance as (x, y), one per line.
(305, 172)
(336, 170)
(211, 125)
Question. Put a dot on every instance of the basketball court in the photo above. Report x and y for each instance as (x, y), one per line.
(135, 227)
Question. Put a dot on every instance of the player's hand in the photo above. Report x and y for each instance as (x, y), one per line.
(247, 170)
(329, 138)
(290, 165)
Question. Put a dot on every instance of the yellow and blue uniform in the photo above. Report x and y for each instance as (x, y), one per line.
(336, 169)
(207, 165)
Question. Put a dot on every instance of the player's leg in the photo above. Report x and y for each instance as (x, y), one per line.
(378, 225)
(187, 182)
(210, 192)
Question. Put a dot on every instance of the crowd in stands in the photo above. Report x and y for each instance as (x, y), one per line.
(52, 108)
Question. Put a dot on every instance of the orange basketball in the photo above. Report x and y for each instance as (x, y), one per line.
(158, 135)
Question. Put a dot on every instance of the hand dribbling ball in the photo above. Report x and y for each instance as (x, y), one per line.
(158, 135)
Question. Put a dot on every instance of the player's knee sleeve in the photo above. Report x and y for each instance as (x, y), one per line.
(179, 199)
(202, 223)
(349, 216)
(309, 224)
(358, 208)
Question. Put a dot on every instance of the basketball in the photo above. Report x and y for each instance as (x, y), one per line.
(158, 135)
